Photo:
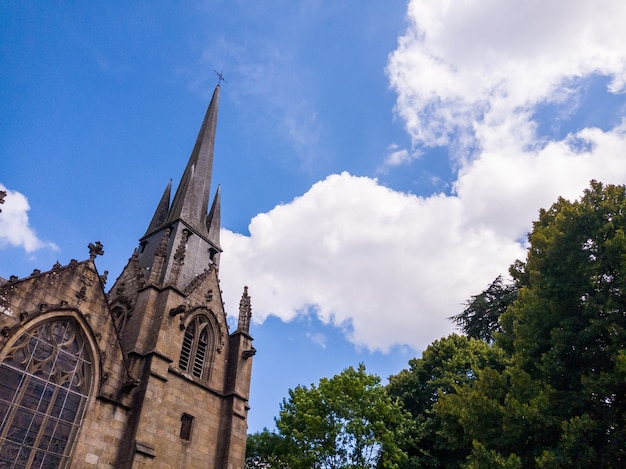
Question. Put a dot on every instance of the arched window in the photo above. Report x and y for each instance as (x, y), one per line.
(196, 347)
(45, 380)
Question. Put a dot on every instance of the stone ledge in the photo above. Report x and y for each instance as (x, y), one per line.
(145, 449)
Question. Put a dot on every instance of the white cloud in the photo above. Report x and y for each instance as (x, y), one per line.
(465, 64)
(387, 266)
(15, 229)
(317, 339)
(391, 267)
(397, 156)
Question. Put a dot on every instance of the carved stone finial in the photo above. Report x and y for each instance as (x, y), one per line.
(95, 250)
(161, 249)
(159, 258)
(245, 312)
(179, 257)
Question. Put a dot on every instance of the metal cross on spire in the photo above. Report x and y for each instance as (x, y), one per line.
(220, 77)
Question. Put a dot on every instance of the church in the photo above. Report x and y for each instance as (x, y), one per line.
(146, 375)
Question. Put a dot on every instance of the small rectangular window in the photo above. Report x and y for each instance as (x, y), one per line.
(186, 424)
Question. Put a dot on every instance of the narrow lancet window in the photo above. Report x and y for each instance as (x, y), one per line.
(194, 355)
(186, 425)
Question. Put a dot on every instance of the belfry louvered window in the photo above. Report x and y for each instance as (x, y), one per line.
(45, 378)
(196, 346)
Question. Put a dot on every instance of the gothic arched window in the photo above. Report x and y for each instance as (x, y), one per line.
(45, 379)
(196, 347)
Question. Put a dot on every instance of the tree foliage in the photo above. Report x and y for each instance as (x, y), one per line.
(561, 402)
(446, 365)
(265, 450)
(537, 381)
(481, 317)
(569, 325)
(347, 421)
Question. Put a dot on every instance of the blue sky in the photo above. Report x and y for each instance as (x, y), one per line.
(380, 162)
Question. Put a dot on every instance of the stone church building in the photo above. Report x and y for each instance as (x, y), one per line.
(147, 375)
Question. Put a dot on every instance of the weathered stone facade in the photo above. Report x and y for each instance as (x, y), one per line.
(146, 376)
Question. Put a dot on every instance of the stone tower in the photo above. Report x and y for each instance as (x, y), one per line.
(157, 379)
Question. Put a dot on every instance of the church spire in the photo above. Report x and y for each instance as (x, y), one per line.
(192, 196)
(182, 240)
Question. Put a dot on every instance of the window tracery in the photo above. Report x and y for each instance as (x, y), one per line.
(45, 380)
(197, 343)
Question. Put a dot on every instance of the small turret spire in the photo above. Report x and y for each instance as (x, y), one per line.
(245, 312)
(213, 220)
(160, 214)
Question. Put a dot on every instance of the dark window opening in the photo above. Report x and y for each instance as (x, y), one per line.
(212, 254)
(186, 425)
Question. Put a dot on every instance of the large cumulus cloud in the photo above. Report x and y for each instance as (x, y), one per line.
(391, 267)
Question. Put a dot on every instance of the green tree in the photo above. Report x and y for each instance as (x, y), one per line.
(562, 400)
(446, 365)
(265, 450)
(481, 317)
(569, 324)
(347, 421)
(502, 416)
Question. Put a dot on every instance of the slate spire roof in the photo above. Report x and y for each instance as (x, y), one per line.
(191, 201)
(182, 239)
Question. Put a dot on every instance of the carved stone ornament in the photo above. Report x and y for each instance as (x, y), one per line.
(95, 250)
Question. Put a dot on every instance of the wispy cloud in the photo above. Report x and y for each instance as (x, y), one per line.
(397, 156)
(268, 77)
(318, 339)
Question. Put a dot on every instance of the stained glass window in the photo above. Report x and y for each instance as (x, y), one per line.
(45, 380)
